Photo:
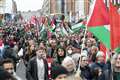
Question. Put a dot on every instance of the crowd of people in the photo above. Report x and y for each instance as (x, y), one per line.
(50, 55)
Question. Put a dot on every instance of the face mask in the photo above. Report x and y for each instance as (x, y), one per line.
(69, 51)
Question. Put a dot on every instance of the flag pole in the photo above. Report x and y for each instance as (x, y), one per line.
(111, 54)
(84, 37)
(87, 18)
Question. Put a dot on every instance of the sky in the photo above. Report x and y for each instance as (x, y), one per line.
(26, 5)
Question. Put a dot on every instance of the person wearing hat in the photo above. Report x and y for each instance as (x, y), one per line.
(58, 72)
(99, 68)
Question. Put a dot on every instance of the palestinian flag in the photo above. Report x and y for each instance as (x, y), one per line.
(97, 20)
(52, 26)
(77, 27)
(98, 14)
(102, 33)
(96, 23)
(33, 20)
(64, 31)
(115, 26)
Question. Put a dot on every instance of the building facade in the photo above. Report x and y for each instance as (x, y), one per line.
(2, 6)
(79, 9)
(1, 10)
(8, 6)
(67, 7)
(51, 7)
(27, 15)
(46, 7)
(14, 6)
(75, 9)
(8, 9)
(58, 6)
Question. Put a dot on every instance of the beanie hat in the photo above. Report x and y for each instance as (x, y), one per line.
(100, 53)
(58, 70)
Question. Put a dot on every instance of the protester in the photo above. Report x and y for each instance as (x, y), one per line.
(58, 72)
(8, 65)
(100, 69)
(37, 68)
(85, 73)
(69, 50)
(93, 52)
(10, 53)
(51, 41)
(52, 46)
(60, 55)
(4, 75)
(116, 66)
(70, 66)
(30, 52)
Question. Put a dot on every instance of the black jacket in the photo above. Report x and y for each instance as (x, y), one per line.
(105, 71)
(10, 53)
(86, 73)
(32, 72)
